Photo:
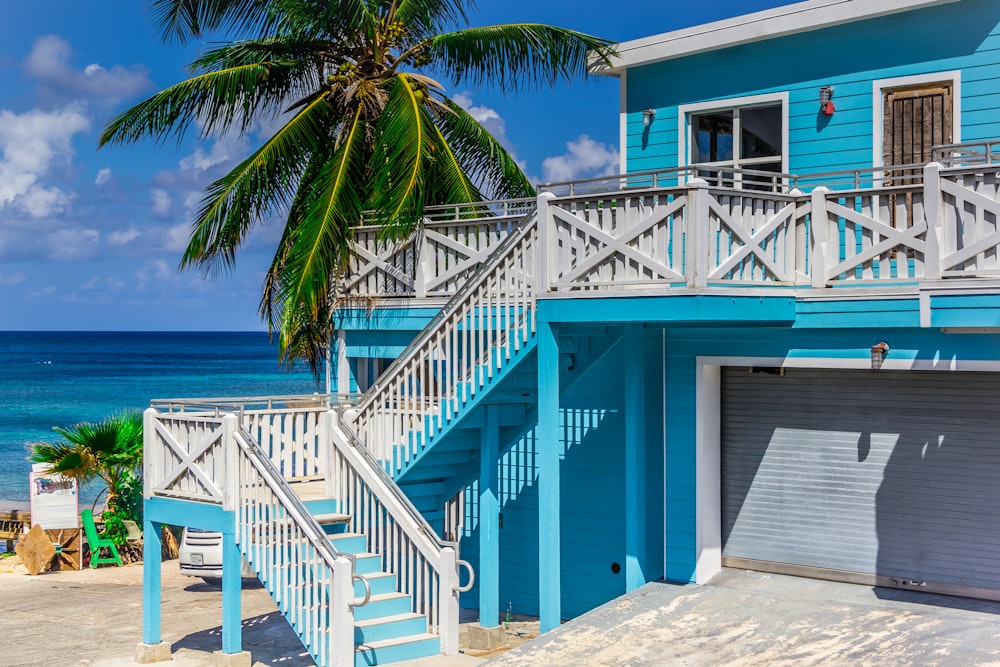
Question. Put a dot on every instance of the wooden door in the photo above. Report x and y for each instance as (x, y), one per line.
(915, 119)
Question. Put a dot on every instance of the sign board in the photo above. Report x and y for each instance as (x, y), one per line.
(54, 499)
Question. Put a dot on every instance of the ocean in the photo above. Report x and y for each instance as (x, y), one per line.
(62, 378)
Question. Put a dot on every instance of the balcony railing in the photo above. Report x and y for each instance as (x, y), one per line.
(669, 229)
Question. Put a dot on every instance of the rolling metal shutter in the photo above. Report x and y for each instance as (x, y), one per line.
(875, 477)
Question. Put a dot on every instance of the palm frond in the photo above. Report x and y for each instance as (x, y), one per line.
(184, 20)
(258, 187)
(427, 17)
(271, 307)
(403, 150)
(320, 240)
(218, 99)
(515, 56)
(486, 162)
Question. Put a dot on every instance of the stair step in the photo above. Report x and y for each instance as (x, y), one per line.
(350, 543)
(387, 604)
(395, 650)
(389, 627)
(367, 563)
(379, 582)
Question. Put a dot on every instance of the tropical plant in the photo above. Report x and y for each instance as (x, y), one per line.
(366, 127)
(111, 451)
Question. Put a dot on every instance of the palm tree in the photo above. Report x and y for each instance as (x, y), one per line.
(110, 450)
(367, 127)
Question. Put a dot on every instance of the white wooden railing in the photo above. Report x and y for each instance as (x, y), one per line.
(285, 427)
(699, 236)
(474, 337)
(450, 245)
(310, 581)
(204, 453)
(186, 457)
(426, 567)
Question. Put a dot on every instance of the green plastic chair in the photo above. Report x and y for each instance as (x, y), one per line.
(97, 542)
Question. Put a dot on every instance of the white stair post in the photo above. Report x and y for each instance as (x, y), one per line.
(935, 228)
(545, 252)
(231, 476)
(423, 258)
(820, 238)
(698, 234)
(448, 605)
(342, 613)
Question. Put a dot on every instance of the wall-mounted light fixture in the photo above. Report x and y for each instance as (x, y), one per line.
(879, 353)
(826, 106)
(647, 117)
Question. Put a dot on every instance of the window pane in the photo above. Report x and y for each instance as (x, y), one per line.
(712, 137)
(761, 130)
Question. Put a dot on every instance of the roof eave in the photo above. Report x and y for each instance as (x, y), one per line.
(757, 27)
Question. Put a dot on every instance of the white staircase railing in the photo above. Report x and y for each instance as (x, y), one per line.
(311, 583)
(474, 337)
(426, 567)
(212, 459)
(451, 244)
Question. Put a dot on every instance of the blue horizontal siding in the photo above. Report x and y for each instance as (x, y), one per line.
(848, 57)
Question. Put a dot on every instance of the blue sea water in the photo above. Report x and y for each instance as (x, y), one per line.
(61, 378)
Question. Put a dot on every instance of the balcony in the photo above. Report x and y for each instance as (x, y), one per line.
(687, 229)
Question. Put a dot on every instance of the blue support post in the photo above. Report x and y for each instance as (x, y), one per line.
(232, 584)
(489, 521)
(152, 595)
(635, 458)
(549, 451)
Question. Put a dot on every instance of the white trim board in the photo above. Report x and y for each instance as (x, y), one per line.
(759, 26)
(878, 105)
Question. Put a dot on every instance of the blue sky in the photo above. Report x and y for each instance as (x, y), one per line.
(90, 240)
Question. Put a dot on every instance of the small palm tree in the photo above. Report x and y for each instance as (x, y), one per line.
(366, 127)
(110, 450)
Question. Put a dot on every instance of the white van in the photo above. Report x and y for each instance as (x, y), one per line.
(200, 555)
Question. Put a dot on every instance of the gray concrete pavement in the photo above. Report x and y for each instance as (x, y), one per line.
(747, 619)
(94, 618)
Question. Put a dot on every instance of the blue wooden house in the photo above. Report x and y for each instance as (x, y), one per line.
(772, 343)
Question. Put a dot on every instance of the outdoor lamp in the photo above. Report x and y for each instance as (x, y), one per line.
(826, 101)
(647, 117)
(879, 351)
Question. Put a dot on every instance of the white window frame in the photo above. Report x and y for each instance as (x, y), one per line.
(685, 111)
(879, 87)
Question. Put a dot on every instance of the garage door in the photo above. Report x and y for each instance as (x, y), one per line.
(869, 476)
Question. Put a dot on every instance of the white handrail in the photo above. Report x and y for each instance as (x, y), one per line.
(426, 568)
(472, 338)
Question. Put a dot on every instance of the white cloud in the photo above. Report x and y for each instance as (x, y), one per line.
(487, 117)
(73, 244)
(176, 239)
(584, 157)
(31, 143)
(41, 202)
(156, 270)
(48, 63)
(11, 279)
(123, 237)
(103, 176)
(161, 203)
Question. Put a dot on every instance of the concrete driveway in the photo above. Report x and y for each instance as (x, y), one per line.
(748, 618)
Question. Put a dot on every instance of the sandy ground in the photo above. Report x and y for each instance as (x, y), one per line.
(94, 617)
